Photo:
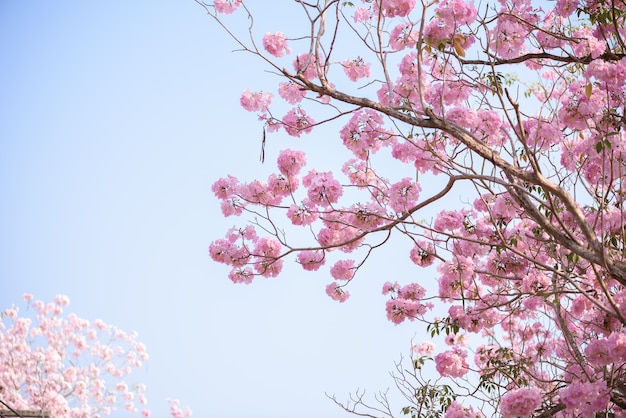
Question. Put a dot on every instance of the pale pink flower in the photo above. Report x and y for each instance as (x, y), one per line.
(301, 215)
(403, 195)
(424, 348)
(452, 363)
(520, 403)
(296, 121)
(323, 189)
(342, 270)
(337, 293)
(291, 162)
(255, 101)
(393, 8)
(276, 44)
(585, 398)
(291, 92)
(226, 6)
(361, 15)
(356, 69)
(422, 254)
(456, 410)
(311, 260)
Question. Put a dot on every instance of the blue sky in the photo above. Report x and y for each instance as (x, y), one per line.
(115, 119)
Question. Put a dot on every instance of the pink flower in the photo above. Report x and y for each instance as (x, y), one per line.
(225, 188)
(255, 101)
(424, 348)
(403, 36)
(361, 15)
(520, 403)
(301, 215)
(456, 410)
(616, 344)
(343, 270)
(296, 122)
(403, 195)
(291, 162)
(323, 189)
(241, 275)
(226, 6)
(585, 398)
(356, 69)
(393, 8)
(422, 254)
(337, 293)
(291, 92)
(276, 44)
(311, 260)
(452, 363)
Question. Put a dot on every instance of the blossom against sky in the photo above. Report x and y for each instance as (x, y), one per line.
(115, 120)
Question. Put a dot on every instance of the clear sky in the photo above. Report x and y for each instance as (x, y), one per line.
(115, 119)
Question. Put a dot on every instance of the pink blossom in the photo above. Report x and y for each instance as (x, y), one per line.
(520, 403)
(424, 348)
(241, 275)
(423, 254)
(452, 363)
(399, 8)
(293, 93)
(364, 133)
(226, 6)
(276, 44)
(587, 43)
(456, 410)
(307, 65)
(337, 293)
(585, 398)
(323, 189)
(361, 15)
(342, 270)
(403, 195)
(616, 344)
(311, 260)
(296, 122)
(225, 188)
(291, 162)
(301, 215)
(356, 69)
(255, 101)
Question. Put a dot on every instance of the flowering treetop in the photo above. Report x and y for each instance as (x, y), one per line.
(69, 366)
(520, 104)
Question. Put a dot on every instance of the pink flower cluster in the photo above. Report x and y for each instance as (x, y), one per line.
(226, 6)
(585, 398)
(364, 133)
(276, 44)
(452, 363)
(296, 122)
(450, 16)
(405, 302)
(336, 292)
(322, 188)
(520, 403)
(396, 8)
(423, 254)
(68, 365)
(255, 101)
(293, 93)
(403, 195)
(456, 410)
(356, 69)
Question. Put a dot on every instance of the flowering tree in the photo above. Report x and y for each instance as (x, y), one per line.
(517, 106)
(69, 366)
